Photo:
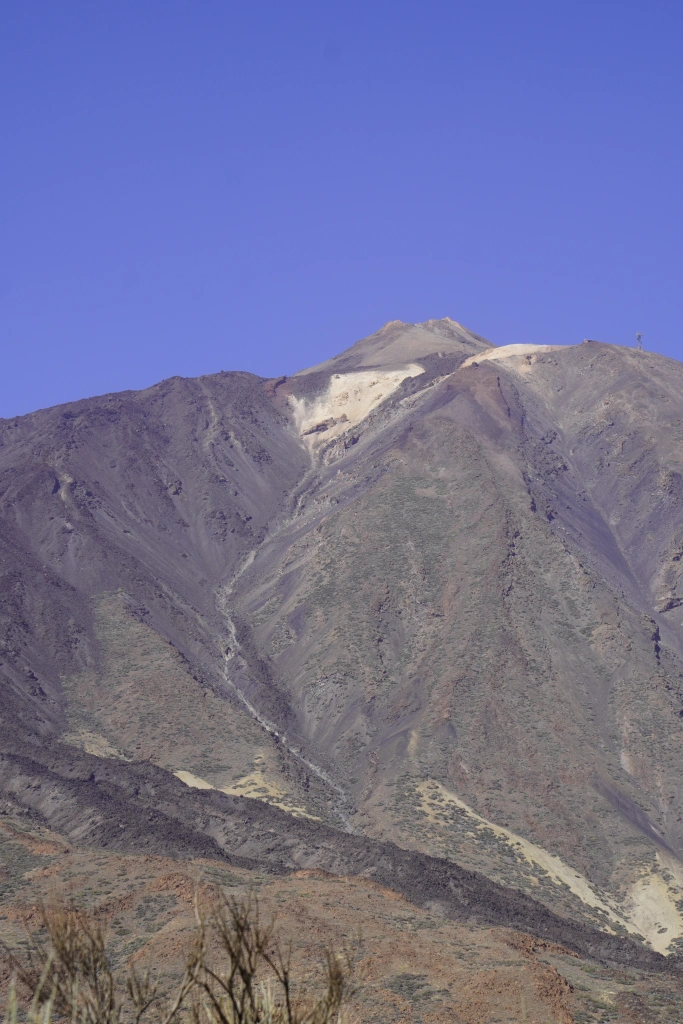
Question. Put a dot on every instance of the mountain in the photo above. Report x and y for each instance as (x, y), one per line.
(414, 613)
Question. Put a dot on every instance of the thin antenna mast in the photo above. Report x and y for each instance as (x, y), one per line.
(639, 339)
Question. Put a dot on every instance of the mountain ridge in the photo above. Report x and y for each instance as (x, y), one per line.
(431, 600)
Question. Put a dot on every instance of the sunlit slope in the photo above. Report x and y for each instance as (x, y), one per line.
(425, 592)
(473, 603)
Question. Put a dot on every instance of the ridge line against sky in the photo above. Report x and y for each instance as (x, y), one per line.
(193, 188)
(276, 376)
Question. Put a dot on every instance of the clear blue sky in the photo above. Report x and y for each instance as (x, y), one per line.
(193, 186)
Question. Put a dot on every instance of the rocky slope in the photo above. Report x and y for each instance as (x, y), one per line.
(425, 594)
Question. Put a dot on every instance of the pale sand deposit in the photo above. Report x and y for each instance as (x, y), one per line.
(349, 398)
(94, 743)
(193, 781)
(256, 786)
(650, 909)
(506, 351)
(652, 903)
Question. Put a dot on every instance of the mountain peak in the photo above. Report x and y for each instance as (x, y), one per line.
(398, 343)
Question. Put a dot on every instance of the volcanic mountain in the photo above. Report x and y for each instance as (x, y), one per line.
(414, 613)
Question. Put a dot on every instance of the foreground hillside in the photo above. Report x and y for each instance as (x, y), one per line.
(410, 616)
(414, 964)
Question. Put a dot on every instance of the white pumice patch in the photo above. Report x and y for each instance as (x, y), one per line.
(349, 398)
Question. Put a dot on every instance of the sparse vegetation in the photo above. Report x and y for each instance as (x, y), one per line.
(237, 971)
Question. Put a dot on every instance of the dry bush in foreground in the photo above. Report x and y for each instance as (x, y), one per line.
(236, 972)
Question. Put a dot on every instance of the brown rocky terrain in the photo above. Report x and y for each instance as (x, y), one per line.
(411, 618)
(413, 964)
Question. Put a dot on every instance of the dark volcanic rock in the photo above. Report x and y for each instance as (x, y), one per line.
(142, 809)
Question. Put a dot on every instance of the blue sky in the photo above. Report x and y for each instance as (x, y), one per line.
(188, 187)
